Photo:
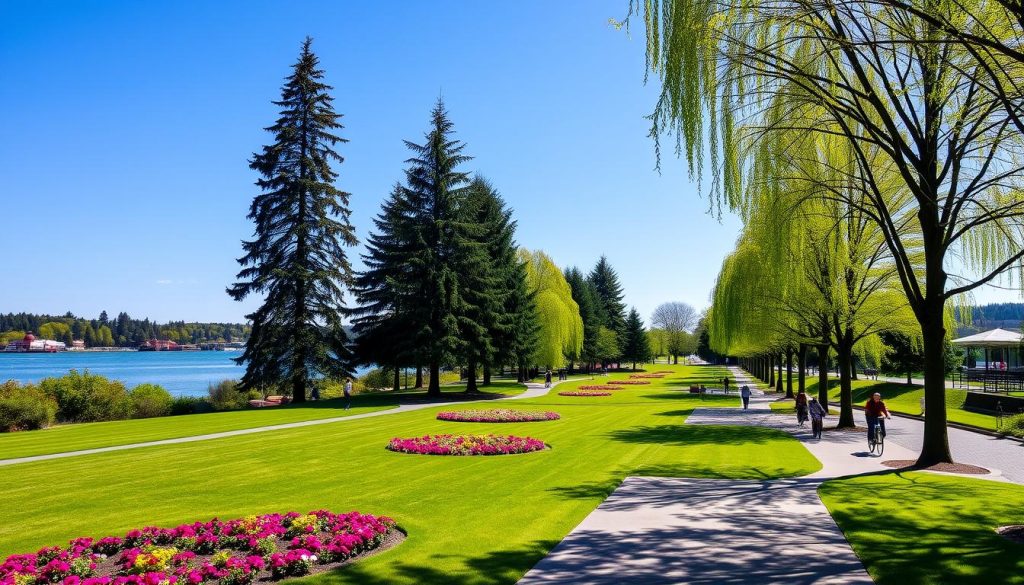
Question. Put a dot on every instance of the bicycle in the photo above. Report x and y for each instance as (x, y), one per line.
(876, 441)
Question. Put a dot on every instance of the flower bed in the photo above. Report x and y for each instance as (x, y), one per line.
(497, 415)
(466, 445)
(602, 387)
(584, 393)
(643, 376)
(232, 552)
(664, 372)
(629, 382)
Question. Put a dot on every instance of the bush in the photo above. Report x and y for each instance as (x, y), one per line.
(24, 408)
(378, 379)
(85, 397)
(150, 400)
(1014, 425)
(190, 405)
(226, 396)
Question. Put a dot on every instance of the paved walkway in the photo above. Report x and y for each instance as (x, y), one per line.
(532, 391)
(668, 530)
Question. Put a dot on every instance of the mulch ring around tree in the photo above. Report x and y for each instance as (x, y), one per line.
(1013, 533)
(910, 464)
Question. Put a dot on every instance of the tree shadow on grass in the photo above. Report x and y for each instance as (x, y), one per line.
(697, 434)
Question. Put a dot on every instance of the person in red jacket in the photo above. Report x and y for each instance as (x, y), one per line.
(874, 410)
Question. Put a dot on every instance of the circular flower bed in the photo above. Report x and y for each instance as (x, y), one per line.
(643, 376)
(466, 445)
(628, 382)
(584, 393)
(497, 415)
(664, 372)
(602, 387)
(232, 552)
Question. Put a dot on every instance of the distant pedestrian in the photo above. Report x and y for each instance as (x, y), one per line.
(314, 394)
(725, 384)
(745, 395)
(547, 379)
(348, 393)
(817, 417)
(801, 408)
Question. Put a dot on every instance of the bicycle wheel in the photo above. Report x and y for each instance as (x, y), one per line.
(871, 444)
(880, 444)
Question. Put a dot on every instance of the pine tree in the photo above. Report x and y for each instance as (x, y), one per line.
(609, 292)
(297, 259)
(635, 347)
(591, 312)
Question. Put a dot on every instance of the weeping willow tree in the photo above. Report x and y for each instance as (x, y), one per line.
(909, 96)
(560, 329)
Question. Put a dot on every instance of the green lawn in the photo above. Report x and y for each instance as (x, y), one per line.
(784, 406)
(907, 399)
(469, 519)
(926, 528)
(104, 434)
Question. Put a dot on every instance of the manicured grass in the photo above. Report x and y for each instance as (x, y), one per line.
(907, 399)
(469, 519)
(785, 406)
(92, 435)
(926, 528)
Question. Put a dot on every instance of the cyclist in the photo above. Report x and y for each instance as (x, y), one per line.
(874, 410)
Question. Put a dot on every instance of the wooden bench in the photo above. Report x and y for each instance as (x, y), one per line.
(270, 401)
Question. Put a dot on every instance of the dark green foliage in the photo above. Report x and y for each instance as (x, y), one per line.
(190, 405)
(125, 331)
(229, 395)
(85, 397)
(902, 355)
(150, 400)
(591, 312)
(635, 346)
(609, 294)
(297, 259)
(25, 408)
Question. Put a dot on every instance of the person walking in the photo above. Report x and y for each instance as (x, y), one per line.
(725, 384)
(801, 408)
(745, 395)
(347, 389)
(817, 417)
(547, 379)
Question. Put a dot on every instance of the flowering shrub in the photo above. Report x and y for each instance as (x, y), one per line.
(232, 552)
(643, 376)
(664, 372)
(466, 445)
(598, 387)
(628, 382)
(584, 393)
(497, 415)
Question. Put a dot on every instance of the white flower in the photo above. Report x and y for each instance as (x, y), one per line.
(313, 558)
(305, 557)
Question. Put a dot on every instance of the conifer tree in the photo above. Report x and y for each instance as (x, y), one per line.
(591, 312)
(609, 293)
(635, 347)
(297, 258)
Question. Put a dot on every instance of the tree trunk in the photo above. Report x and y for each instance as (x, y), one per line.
(434, 388)
(419, 377)
(298, 389)
(675, 360)
(789, 373)
(801, 368)
(935, 448)
(778, 378)
(471, 377)
(771, 372)
(844, 355)
(521, 375)
(487, 375)
(823, 376)
(398, 380)
(910, 379)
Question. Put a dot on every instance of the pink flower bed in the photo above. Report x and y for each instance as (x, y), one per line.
(664, 372)
(584, 393)
(232, 552)
(628, 382)
(598, 388)
(497, 415)
(466, 445)
(642, 376)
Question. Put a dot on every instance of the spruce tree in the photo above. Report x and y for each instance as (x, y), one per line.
(609, 292)
(297, 258)
(591, 311)
(635, 347)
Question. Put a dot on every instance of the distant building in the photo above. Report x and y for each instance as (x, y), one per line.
(29, 344)
(77, 345)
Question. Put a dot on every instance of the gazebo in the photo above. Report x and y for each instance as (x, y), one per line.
(1002, 371)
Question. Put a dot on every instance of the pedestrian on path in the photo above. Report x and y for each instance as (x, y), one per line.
(817, 418)
(801, 408)
(745, 395)
(547, 379)
(725, 384)
(348, 393)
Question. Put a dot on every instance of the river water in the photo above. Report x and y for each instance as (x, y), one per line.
(182, 373)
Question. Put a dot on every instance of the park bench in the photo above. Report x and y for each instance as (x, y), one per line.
(269, 401)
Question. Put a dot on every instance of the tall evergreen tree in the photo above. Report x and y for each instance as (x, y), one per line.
(297, 259)
(635, 347)
(591, 312)
(609, 293)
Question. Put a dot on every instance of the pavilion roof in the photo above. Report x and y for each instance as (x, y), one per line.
(991, 338)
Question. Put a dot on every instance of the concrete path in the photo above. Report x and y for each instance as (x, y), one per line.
(666, 530)
(532, 391)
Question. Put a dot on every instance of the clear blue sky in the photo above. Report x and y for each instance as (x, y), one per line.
(127, 127)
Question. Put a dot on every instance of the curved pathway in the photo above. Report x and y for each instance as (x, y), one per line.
(533, 390)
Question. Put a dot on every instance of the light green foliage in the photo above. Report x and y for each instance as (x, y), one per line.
(150, 400)
(607, 347)
(558, 315)
(85, 397)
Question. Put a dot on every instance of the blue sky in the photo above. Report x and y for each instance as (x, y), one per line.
(124, 181)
